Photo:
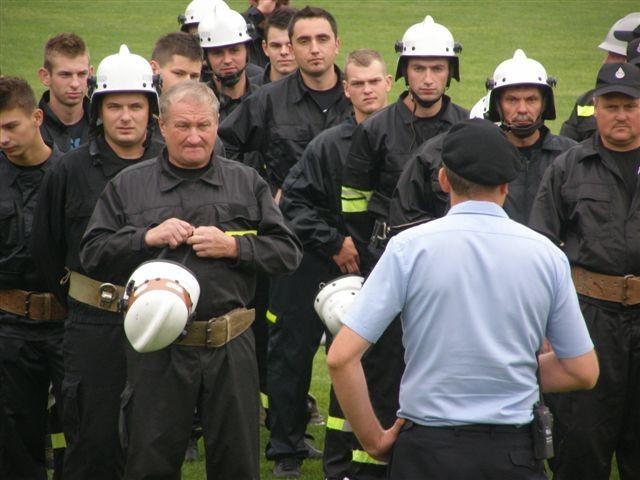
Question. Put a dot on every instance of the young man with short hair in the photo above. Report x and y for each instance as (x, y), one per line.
(65, 73)
(277, 47)
(176, 57)
(94, 359)
(31, 319)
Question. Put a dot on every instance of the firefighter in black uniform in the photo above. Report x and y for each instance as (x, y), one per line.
(121, 107)
(258, 15)
(219, 217)
(520, 99)
(311, 204)
(581, 124)
(281, 118)
(277, 47)
(589, 203)
(224, 36)
(381, 146)
(65, 104)
(31, 319)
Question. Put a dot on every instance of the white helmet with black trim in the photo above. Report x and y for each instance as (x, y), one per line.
(626, 24)
(123, 72)
(480, 108)
(160, 298)
(519, 71)
(196, 11)
(223, 27)
(335, 298)
(428, 39)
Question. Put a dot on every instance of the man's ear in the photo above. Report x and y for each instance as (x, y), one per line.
(38, 117)
(45, 76)
(444, 181)
(154, 67)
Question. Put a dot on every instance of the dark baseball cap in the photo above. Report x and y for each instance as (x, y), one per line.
(478, 150)
(618, 78)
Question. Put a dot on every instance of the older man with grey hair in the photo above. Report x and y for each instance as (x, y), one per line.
(218, 219)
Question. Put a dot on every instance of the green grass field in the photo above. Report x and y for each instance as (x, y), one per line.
(562, 35)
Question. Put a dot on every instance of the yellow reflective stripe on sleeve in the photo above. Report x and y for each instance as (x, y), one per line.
(264, 400)
(355, 201)
(584, 110)
(360, 456)
(271, 317)
(58, 440)
(239, 233)
(336, 423)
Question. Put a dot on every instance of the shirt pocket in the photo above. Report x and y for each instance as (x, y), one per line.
(11, 229)
(591, 208)
(237, 219)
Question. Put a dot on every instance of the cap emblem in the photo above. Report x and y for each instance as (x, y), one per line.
(620, 73)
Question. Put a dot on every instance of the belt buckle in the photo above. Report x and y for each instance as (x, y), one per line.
(27, 304)
(108, 294)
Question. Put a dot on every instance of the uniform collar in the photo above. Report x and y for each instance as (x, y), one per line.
(11, 170)
(169, 180)
(476, 207)
(302, 88)
(51, 117)
(445, 113)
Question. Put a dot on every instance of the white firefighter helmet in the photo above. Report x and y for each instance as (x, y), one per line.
(480, 108)
(627, 24)
(428, 39)
(222, 27)
(196, 11)
(334, 298)
(162, 295)
(125, 72)
(520, 70)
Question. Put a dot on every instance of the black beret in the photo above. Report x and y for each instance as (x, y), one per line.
(479, 151)
(618, 78)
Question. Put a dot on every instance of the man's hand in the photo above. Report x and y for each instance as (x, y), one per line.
(213, 242)
(171, 233)
(382, 450)
(347, 258)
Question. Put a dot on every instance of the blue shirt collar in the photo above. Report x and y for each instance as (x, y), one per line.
(479, 208)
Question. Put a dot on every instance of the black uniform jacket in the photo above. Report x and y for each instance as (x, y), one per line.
(418, 196)
(583, 202)
(383, 143)
(67, 197)
(18, 195)
(279, 120)
(228, 195)
(228, 104)
(54, 131)
(311, 192)
(581, 124)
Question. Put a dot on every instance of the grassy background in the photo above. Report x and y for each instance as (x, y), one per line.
(562, 35)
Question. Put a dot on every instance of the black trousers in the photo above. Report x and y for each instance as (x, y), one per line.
(164, 387)
(27, 367)
(294, 339)
(590, 426)
(95, 373)
(467, 453)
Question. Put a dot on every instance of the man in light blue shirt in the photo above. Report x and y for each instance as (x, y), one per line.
(478, 294)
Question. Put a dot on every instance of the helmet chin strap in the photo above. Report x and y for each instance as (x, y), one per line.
(230, 80)
(522, 131)
(423, 103)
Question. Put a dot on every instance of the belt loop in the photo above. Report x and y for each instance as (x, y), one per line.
(46, 306)
(625, 289)
(207, 338)
(227, 337)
